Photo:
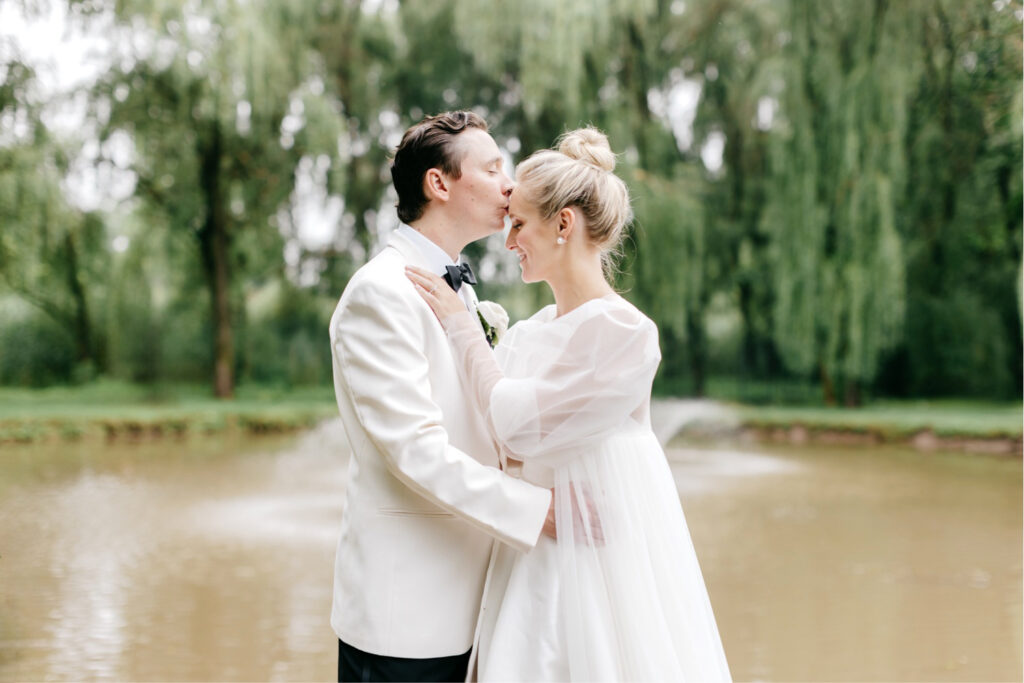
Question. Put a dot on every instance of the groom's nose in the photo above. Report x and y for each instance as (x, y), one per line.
(507, 185)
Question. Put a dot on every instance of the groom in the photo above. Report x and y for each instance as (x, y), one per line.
(425, 497)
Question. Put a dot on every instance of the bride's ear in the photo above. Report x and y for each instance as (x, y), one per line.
(435, 185)
(566, 223)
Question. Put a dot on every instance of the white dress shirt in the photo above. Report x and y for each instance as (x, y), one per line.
(438, 259)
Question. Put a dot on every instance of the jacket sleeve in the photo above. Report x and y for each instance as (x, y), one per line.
(378, 340)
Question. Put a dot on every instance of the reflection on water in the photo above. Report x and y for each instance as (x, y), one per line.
(203, 560)
(863, 564)
(213, 559)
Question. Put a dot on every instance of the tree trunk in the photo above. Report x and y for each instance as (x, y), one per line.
(828, 389)
(697, 350)
(224, 345)
(81, 324)
(215, 246)
(749, 343)
(852, 394)
(636, 77)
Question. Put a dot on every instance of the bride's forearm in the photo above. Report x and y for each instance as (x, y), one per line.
(477, 366)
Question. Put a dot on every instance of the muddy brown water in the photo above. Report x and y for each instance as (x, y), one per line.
(211, 559)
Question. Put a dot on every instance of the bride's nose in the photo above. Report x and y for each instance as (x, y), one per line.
(510, 241)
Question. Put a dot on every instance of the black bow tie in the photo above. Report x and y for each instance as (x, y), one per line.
(456, 275)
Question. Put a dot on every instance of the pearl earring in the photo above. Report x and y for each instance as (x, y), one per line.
(560, 240)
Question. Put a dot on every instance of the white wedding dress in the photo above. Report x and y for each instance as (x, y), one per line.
(620, 595)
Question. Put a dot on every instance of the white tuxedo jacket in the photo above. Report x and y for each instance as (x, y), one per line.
(425, 499)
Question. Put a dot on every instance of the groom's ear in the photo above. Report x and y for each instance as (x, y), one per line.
(436, 185)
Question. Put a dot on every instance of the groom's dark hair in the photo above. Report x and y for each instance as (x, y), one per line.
(426, 145)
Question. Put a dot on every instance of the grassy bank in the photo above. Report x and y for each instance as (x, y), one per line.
(117, 410)
(894, 420)
(120, 410)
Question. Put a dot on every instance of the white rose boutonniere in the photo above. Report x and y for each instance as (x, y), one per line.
(493, 319)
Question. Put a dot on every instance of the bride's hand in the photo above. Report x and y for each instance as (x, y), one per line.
(436, 292)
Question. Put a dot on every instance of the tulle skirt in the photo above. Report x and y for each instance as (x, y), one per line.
(620, 595)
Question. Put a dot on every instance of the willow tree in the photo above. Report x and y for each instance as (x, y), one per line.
(52, 255)
(836, 175)
(736, 61)
(220, 103)
(390, 66)
(358, 50)
(672, 274)
(573, 63)
(963, 201)
(553, 58)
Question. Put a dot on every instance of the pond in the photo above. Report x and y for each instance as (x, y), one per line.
(212, 559)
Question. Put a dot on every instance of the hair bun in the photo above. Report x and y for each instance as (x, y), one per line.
(588, 145)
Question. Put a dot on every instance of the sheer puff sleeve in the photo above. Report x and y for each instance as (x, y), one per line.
(556, 384)
(574, 378)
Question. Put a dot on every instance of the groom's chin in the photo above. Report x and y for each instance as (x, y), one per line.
(488, 232)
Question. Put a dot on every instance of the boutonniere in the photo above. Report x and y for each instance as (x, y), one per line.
(493, 319)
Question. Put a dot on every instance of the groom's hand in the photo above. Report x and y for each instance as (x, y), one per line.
(549, 528)
(591, 534)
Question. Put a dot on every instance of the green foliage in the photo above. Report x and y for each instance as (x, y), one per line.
(220, 118)
(669, 277)
(286, 340)
(547, 42)
(136, 338)
(955, 338)
(862, 233)
(671, 274)
(963, 199)
(185, 350)
(34, 350)
(51, 255)
(837, 259)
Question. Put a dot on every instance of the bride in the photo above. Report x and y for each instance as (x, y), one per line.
(619, 595)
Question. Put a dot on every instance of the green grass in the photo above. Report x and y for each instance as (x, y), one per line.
(761, 392)
(119, 409)
(897, 419)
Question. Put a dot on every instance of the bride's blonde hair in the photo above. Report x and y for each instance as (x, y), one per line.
(580, 173)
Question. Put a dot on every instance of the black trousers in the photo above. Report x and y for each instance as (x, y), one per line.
(356, 665)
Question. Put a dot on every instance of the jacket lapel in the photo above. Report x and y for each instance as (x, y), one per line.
(473, 300)
(414, 257)
(407, 249)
